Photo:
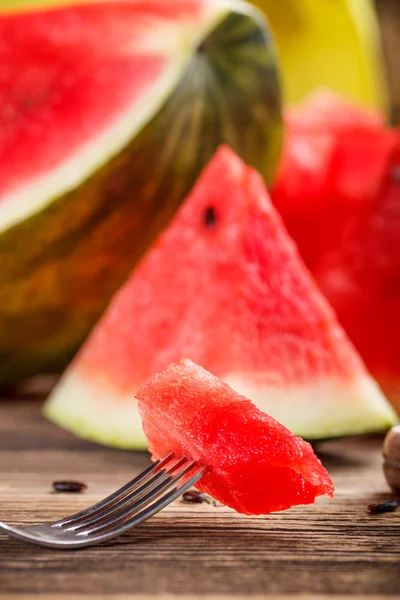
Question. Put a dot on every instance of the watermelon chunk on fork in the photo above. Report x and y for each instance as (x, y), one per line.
(254, 464)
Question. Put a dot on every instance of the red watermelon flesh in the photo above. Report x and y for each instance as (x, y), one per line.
(254, 464)
(334, 156)
(361, 278)
(224, 286)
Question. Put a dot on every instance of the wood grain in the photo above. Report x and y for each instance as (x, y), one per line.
(191, 551)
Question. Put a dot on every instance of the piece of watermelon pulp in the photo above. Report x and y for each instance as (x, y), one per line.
(254, 464)
(225, 287)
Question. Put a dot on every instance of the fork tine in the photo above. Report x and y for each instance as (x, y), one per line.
(148, 511)
(134, 507)
(180, 476)
(117, 495)
(137, 493)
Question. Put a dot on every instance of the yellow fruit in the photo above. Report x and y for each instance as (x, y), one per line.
(6, 5)
(327, 43)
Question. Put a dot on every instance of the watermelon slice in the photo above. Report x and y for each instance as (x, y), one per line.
(108, 112)
(254, 464)
(361, 278)
(335, 153)
(225, 287)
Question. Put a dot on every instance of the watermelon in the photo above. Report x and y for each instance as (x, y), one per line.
(225, 287)
(108, 112)
(326, 110)
(254, 464)
(361, 278)
(334, 155)
(338, 192)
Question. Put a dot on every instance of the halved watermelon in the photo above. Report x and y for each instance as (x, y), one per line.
(224, 286)
(108, 112)
(254, 464)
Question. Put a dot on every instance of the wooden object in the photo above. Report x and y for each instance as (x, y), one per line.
(191, 551)
(389, 20)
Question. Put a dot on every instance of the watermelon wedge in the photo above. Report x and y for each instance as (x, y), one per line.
(254, 464)
(108, 112)
(224, 286)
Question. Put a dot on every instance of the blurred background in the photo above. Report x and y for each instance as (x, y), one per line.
(350, 46)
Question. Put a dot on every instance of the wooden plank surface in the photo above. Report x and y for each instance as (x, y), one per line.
(191, 551)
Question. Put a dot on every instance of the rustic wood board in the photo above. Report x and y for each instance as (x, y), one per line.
(191, 551)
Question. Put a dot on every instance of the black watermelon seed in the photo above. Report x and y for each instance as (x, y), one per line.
(383, 507)
(210, 217)
(71, 487)
(194, 497)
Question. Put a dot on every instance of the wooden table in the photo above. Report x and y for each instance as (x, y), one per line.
(191, 551)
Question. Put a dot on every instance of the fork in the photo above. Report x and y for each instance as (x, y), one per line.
(135, 502)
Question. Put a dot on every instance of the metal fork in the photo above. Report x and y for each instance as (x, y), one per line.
(138, 500)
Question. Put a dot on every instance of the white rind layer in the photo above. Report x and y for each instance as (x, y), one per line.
(327, 409)
(96, 412)
(178, 42)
